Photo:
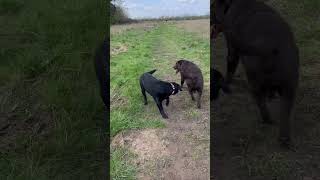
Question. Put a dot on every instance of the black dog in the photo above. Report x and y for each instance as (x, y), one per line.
(218, 83)
(101, 62)
(263, 41)
(159, 90)
(190, 73)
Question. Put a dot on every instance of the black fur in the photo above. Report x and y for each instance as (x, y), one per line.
(159, 90)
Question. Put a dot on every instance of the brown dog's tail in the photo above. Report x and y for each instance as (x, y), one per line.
(151, 72)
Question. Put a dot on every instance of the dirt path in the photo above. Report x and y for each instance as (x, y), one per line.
(181, 150)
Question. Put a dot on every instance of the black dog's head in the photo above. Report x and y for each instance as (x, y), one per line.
(177, 88)
(217, 84)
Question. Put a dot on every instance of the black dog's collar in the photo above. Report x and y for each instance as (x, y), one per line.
(172, 88)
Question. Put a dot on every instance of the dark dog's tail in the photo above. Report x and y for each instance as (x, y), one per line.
(151, 72)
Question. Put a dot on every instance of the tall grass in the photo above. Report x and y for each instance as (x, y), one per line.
(47, 79)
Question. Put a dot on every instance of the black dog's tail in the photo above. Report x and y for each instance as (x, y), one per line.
(151, 72)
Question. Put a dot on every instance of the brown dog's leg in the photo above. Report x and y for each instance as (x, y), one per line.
(265, 115)
(199, 99)
(286, 105)
(191, 94)
(182, 81)
(232, 62)
(260, 100)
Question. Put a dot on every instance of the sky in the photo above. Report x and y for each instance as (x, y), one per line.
(137, 9)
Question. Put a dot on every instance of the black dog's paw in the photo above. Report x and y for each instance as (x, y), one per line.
(145, 103)
(165, 116)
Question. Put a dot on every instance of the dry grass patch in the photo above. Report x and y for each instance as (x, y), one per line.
(116, 29)
(199, 26)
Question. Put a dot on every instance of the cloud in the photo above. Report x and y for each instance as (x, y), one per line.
(187, 1)
(158, 8)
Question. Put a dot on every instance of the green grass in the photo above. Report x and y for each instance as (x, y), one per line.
(125, 71)
(121, 167)
(145, 51)
(47, 77)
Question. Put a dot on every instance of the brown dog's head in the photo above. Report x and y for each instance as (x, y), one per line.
(177, 66)
(220, 9)
(215, 30)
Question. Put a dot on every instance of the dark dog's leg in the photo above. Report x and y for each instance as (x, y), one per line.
(191, 94)
(286, 105)
(143, 91)
(262, 106)
(199, 99)
(182, 81)
(167, 102)
(159, 104)
(232, 63)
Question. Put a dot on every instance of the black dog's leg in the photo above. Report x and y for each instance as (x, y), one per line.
(199, 99)
(232, 62)
(159, 104)
(167, 102)
(143, 91)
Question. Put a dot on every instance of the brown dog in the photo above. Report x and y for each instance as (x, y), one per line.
(190, 73)
(263, 41)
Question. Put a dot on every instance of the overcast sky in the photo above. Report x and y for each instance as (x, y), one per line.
(157, 8)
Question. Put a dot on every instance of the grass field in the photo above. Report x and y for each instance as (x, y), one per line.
(142, 142)
(50, 109)
(250, 150)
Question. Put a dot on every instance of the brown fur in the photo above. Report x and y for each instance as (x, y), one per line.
(258, 36)
(190, 73)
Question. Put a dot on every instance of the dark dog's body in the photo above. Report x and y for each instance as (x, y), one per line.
(216, 84)
(159, 90)
(102, 71)
(263, 41)
(192, 75)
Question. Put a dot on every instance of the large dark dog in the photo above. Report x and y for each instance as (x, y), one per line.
(159, 90)
(263, 41)
(190, 73)
(102, 71)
